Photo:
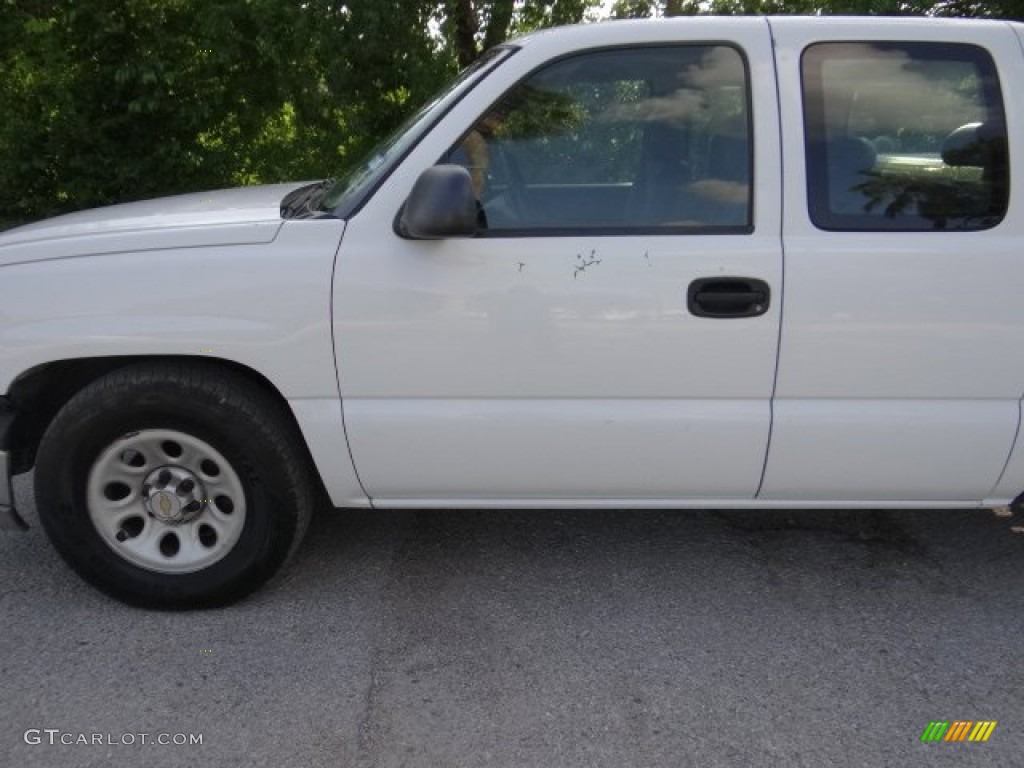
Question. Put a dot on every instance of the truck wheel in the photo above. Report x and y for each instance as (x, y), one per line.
(170, 485)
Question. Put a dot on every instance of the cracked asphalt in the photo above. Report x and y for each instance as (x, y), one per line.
(548, 639)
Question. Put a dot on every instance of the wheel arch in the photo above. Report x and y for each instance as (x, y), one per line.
(37, 394)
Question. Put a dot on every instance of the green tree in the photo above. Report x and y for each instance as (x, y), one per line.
(131, 98)
(378, 61)
(996, 9)
(120, 99)
(1003, 9)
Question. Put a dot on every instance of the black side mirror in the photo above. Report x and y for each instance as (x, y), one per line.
(441, 205)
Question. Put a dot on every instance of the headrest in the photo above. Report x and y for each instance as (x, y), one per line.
(853, 154)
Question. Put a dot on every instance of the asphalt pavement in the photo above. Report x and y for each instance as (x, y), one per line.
(544, 639)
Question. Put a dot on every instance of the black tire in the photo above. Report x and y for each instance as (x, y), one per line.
(258, 456)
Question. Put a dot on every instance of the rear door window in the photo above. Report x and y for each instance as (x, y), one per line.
(904, 136)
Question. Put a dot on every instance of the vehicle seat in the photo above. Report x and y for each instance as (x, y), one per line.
(659, 188)
(724, 194)
(850, 161)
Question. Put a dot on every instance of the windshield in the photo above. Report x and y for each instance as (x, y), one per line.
(346, 193)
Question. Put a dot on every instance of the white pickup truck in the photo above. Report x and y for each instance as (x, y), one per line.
(746, 262)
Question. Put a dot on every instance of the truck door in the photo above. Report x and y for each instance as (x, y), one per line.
(900, 369)
(611, 332)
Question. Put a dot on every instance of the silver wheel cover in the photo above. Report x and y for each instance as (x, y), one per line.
(166, 501)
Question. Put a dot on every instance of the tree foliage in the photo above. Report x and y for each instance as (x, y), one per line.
(112, 100)
(118, 99)
(999, 9)
(473, 26)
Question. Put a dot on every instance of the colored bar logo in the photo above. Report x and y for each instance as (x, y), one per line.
(958, 730)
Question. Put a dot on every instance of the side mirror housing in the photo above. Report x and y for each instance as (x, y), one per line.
(441, 205)
(972, 144)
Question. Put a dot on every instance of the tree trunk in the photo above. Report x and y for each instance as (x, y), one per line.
(498, 23)
(465, 32)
